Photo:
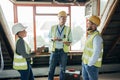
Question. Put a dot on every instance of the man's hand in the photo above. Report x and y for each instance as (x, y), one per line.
(56, 39)
(67, 43)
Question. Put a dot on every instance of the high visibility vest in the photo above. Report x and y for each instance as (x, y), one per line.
(19, 62)
(88, 51)
(65, 32)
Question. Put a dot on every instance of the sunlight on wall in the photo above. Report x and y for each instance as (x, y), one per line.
(7, 8)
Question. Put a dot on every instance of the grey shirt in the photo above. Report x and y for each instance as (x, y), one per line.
(20, 49)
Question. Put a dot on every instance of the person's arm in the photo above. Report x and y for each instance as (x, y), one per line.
(97, 46)
(20, 49)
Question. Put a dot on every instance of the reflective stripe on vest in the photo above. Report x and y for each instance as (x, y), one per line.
(66, 32)
(20, 62)
(88, 51)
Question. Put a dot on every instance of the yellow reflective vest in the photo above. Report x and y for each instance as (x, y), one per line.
(66, 32)
(88, 51)
(19, 62)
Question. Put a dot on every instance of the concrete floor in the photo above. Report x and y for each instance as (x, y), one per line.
(105, 76)
(102, 76)
(109, 76)
(115, 75)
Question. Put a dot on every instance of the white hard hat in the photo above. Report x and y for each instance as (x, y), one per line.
(17, 28)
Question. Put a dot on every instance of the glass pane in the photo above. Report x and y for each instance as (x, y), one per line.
(25, 16)
(78, 26)
(50, 10)
(103, 3)
(43, 26)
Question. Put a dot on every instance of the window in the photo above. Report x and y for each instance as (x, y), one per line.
(50, 10)
(103, 4)
(45, 22)
(26, 18)
(46, 17)
(78, 26)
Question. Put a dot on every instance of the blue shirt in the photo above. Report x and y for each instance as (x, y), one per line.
(59, 44)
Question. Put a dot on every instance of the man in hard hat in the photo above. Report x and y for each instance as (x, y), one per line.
(22, 53)
(61, 38)
(93, 51)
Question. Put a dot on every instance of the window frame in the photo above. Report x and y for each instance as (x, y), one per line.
(34, 19)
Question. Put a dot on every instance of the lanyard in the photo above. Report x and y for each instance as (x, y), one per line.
(60, 32)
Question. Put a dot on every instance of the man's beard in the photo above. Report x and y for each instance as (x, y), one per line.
(89, 29)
